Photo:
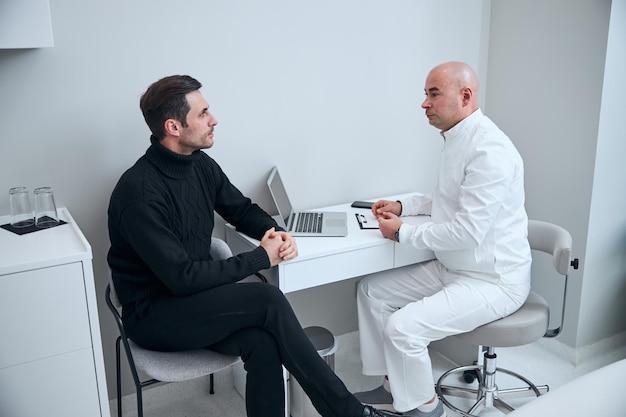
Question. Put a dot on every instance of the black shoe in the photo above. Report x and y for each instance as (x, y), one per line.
(370, 411)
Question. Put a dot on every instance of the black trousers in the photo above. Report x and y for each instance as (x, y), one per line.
(256, 322)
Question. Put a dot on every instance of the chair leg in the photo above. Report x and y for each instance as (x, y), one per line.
(138, 384)
(139, 402)
(487, 394)
(119, 377)
(211, 384)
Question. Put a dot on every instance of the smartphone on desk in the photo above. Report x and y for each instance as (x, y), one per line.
(362, 204)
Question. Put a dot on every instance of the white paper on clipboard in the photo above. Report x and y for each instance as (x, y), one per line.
(367, 220)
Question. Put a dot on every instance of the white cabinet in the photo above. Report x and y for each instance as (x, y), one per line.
(25, 24)
(51, 359)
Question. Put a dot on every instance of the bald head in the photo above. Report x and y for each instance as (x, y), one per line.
(451, 94)
(458, 73)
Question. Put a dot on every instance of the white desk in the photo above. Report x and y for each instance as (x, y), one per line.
(361, 252)
(324, 260)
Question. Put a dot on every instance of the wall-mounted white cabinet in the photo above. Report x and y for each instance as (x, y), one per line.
(51, 361)
(25, 24)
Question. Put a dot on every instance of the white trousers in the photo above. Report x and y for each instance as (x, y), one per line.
(402, 310)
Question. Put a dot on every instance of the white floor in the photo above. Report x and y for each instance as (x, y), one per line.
(543, 362)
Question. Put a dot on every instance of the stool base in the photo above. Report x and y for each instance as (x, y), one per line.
(487, 394)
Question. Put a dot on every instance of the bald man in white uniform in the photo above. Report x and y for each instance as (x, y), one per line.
(478, 232)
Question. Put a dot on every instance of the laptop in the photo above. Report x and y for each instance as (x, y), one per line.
(304, 223)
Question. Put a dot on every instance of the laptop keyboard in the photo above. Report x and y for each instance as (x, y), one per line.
(309, 222)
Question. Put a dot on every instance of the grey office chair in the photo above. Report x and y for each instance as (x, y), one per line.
(165, 366)
(526, 325)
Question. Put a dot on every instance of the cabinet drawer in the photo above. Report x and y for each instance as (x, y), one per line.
(64, 385)
(309, 273)
(44, 313)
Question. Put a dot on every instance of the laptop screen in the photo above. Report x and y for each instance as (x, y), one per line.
(279, 194)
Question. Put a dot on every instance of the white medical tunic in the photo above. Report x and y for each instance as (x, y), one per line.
(479, 224)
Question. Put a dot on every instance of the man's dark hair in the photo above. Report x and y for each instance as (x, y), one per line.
(165, 99)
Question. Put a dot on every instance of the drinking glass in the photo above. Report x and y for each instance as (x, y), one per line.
(45, 209)
(21, 213)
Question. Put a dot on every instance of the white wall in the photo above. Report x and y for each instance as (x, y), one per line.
(550, 90)
(338, 80)
(602, 310)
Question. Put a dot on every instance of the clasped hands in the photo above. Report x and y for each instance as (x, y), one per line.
(387, 213)
(280, 246)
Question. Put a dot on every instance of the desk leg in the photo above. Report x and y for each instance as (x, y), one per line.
(286, 378)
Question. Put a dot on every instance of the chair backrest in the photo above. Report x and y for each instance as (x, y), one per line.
(113, 302)
(113, 294)
(219, 250)
(114, 305)
(554, 240)
(557, 242)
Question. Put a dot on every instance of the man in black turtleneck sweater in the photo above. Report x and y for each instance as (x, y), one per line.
(174, 296)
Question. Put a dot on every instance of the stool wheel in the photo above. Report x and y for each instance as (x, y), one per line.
(470, 376)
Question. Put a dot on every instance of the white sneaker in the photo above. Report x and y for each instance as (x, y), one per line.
(439, 411)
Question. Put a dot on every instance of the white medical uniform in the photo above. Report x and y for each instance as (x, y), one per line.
(478, 232)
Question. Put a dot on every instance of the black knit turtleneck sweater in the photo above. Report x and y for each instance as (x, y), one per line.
(161, 217)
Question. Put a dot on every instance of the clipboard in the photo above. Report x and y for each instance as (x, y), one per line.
(366, 221)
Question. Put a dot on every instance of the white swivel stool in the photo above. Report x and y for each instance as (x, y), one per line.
(526, 325)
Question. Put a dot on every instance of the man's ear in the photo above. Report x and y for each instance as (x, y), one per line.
(467, 94)
(172, 127)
